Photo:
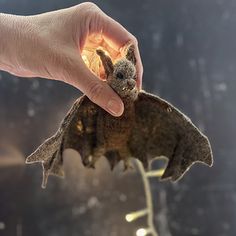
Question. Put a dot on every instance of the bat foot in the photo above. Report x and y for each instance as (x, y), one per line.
(90, 161)
(127, 165)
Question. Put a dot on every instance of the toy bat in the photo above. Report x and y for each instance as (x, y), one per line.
(149, 127)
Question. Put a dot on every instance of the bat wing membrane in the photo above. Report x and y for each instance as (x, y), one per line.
(77, 131)
(162, 130)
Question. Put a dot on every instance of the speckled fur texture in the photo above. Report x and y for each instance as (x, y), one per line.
(149, 127)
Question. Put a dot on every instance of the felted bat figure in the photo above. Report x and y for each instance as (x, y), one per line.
(149, 127)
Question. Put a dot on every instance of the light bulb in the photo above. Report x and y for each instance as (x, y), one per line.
(155, 173)
(135, 215)
(129, 217)
(141, 232)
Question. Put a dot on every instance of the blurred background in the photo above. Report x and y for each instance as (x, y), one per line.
(188, 49)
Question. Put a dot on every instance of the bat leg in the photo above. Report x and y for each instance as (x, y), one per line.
(90, 161)
(125, 156)
(86, 160)
(127, 164)
(113, 158)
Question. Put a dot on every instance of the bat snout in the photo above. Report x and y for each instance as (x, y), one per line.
(131, 84)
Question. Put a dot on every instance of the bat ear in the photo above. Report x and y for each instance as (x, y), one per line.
(106, 61)
(130, 55)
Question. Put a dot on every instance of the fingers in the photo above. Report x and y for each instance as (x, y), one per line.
(96, 90)
(100, 93)
(114, 34)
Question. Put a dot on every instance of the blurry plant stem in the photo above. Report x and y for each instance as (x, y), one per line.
(148, 195)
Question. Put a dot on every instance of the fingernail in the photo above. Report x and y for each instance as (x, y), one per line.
(115, 107)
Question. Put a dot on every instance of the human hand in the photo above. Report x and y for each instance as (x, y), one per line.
(51, 45)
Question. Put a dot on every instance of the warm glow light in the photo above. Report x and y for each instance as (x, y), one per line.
(90, 57)
(155, 173)
(85, 59)
(135, 215)
(142, 232)
(129, 217)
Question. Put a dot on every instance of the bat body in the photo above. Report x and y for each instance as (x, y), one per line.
(149, 127)
(96, 133)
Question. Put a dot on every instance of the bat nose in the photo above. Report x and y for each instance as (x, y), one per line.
(131, 84)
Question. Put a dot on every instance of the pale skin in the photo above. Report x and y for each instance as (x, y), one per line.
(49, 45)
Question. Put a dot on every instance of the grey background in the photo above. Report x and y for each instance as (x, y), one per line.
(188, 49)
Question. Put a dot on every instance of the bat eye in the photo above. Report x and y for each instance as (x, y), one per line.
(119, 75)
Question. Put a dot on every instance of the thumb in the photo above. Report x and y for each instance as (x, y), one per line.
(96, 90)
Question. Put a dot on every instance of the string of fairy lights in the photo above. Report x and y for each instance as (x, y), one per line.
(148, 211)
(92, 60)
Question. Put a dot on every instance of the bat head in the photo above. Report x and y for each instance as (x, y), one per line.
(123, 79)
(121, 76)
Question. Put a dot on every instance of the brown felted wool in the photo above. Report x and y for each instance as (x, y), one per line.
(149, 127)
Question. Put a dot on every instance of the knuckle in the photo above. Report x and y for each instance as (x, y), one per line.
(88, 7)
(90, 14)
(134, 40)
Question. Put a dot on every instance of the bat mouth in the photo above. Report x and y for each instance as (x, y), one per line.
(129, 89)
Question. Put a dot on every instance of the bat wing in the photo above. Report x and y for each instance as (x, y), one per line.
(162, 130)
(77, 131)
